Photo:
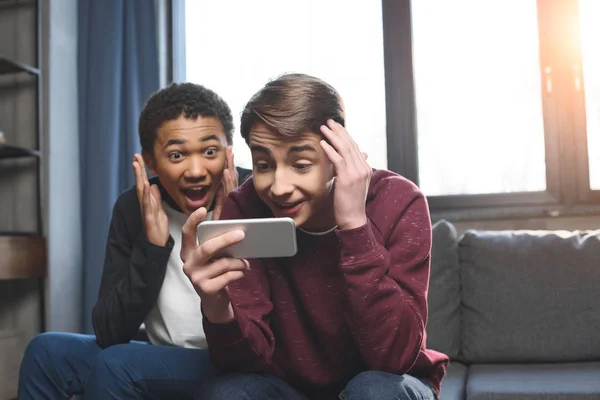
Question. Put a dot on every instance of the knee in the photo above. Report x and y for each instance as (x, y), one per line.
(113, 360)
(373, 385)
(116, 373)
(46, 346)
(366, 385)
(229, 386)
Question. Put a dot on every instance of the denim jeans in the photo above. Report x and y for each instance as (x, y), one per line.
(59, 365)
(369, 385)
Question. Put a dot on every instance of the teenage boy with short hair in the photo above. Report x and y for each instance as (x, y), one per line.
(346, 315)
(186, 132)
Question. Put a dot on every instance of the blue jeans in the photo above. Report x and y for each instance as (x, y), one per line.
(369, 385)
(59, 365)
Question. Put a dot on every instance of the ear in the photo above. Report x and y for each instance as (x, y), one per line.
(149, 161)
(332, 171)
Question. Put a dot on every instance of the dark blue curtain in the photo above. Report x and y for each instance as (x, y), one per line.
(118, 70)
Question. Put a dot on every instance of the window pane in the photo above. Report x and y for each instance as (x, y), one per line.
(236, 53)
(478, 96)
(590, 32)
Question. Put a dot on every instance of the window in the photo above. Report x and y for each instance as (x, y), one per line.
(491, 107)
(590, 32)
(500, 104)
(478, 106)
(236, 53)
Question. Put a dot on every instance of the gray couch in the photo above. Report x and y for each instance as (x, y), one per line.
(518, 312)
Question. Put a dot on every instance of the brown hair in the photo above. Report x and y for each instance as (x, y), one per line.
(293, 104)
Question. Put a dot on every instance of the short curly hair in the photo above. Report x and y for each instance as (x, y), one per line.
(188, 99)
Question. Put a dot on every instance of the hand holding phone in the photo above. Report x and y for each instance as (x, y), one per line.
(210, 275)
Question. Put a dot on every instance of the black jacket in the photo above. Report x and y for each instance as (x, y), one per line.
(133, 271)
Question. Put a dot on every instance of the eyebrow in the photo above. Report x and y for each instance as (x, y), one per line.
(293, 149)
(259, 148)
(300, 149)
(172, 142)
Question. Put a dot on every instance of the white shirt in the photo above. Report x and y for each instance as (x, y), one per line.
(176, 318)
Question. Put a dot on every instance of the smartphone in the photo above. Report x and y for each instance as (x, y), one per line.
(265, 237)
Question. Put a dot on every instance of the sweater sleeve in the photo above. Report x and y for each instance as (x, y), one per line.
(132, 276)
(247, 343)
(387, 284)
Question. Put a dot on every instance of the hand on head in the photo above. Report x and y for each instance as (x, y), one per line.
(156, 224)
(353, 174)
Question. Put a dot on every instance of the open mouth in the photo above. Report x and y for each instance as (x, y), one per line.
(195, 197)
(289, 208)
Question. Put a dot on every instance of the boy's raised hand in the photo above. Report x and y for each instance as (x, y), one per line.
(228, 183)
(209, 275)
(156, 223)
(352, 176)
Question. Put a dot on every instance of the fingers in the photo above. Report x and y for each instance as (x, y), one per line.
(229, 156)
(231, 169)
(220, 282)
(209, 275)
(155, 193)
(214, 286)
(220, 197)
(188, 233)
(214, 277)
(341, 147)
(211, 247)
(224, 265)
(344, 146)
(229, 181)
(338, 137)
(334, 157)
(139, 180)
(140, 169)
(146, 200)
(151, 202)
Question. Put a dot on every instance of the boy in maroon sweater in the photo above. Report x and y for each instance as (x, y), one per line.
(345, 317)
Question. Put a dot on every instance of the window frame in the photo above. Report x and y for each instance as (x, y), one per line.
(567, 167)
(176, 41)
(567, 173)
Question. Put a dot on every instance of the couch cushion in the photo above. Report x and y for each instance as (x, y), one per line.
(454, 382)
(534, 382)
(443, 326)
(530, 296)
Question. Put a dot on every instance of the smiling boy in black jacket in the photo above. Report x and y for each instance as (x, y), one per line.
(186, 133)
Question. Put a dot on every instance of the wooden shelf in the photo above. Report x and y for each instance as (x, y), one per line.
(7, 151)
(8, 66)
(22, 256)
(12, 4)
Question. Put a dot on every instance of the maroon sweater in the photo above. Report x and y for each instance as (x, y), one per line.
(348, 302)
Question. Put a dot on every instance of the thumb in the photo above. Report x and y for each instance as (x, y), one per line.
(188, 233)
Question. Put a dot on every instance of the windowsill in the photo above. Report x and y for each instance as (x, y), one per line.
(517, 212)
